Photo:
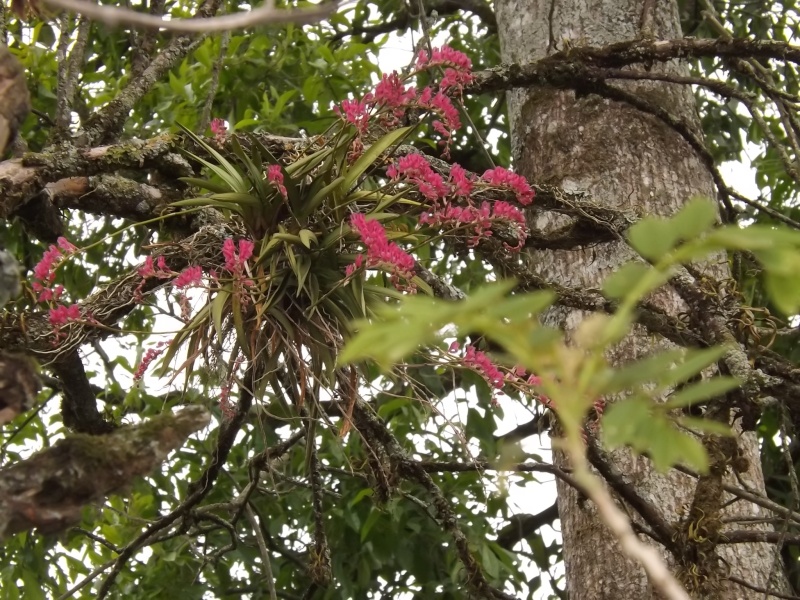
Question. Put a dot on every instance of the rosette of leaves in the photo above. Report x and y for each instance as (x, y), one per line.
(290, 316)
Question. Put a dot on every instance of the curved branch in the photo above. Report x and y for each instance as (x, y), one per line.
(49, 490)
(265, 15)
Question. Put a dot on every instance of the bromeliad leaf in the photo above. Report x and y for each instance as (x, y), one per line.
(371, 155)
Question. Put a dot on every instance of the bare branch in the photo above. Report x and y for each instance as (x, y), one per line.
(264, 15)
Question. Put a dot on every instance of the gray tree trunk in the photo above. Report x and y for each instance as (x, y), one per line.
(627, 160)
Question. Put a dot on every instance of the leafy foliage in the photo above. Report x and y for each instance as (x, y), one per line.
(308, 290)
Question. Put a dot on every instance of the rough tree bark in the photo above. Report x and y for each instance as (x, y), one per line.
(628, 160)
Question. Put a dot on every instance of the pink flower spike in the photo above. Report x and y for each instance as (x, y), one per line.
(504, 178)
(219, 129)
(391, 92)
(245, 250)
(147, 269)
(43, 271)
(189, 276)
(460, 182)
(229, 252)
(61, 315)
(66, 246)
(355, 112)
(379, 249)
(275, 177)
(445, 56)
(534, 380)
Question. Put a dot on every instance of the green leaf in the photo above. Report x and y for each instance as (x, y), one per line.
(652, 237)
(620, 283)
(303, 267)
(693, 363)
(307, 237)
(318, 198)
(701, 391)
(371, 155)
(695, 218)
(640, 372)
(217, 308)
(635, 423)
(206, 184)
(705, 426)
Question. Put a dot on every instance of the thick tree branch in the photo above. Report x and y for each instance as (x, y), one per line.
(523, 526)
(79, 407)
(49, 490)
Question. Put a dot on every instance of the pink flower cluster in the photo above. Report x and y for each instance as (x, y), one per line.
(391, 98)
(457, 67)
(415, 169)
(149, 356)
(275, 177)
(443, 107)
(219, 129)
(44, 273)
(235, 262)
(356, 112)
(392, 93)
(380, 251)
(503, 178)
(189, 276)
(481, 363)
(61, 315)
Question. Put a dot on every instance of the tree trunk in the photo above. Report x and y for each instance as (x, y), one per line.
(629, 160)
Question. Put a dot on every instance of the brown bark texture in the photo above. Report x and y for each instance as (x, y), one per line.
(627, 160)
(14, 97)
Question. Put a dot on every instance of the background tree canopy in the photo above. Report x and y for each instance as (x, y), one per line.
(275, 303)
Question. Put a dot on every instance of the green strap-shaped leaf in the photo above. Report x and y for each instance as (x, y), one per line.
(217, 308)
(371, 155)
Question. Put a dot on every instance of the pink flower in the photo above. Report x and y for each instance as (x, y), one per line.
(236, 262)
(391, 92)
(147, 269)
(457, 67)
(61, 315)
(379, 249)
(418, 170)
(477, 360)
(355, 265)
(355, 112)
(44, 269)
(66, 245)
(159, 269)
(275, 177)
(219, 129)
(454, 347)
(44, 272)
(189, 276)
(245, 250)
(229, 252)
(445, 56)
(503, 178)
(459, 181)
(149, 357)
